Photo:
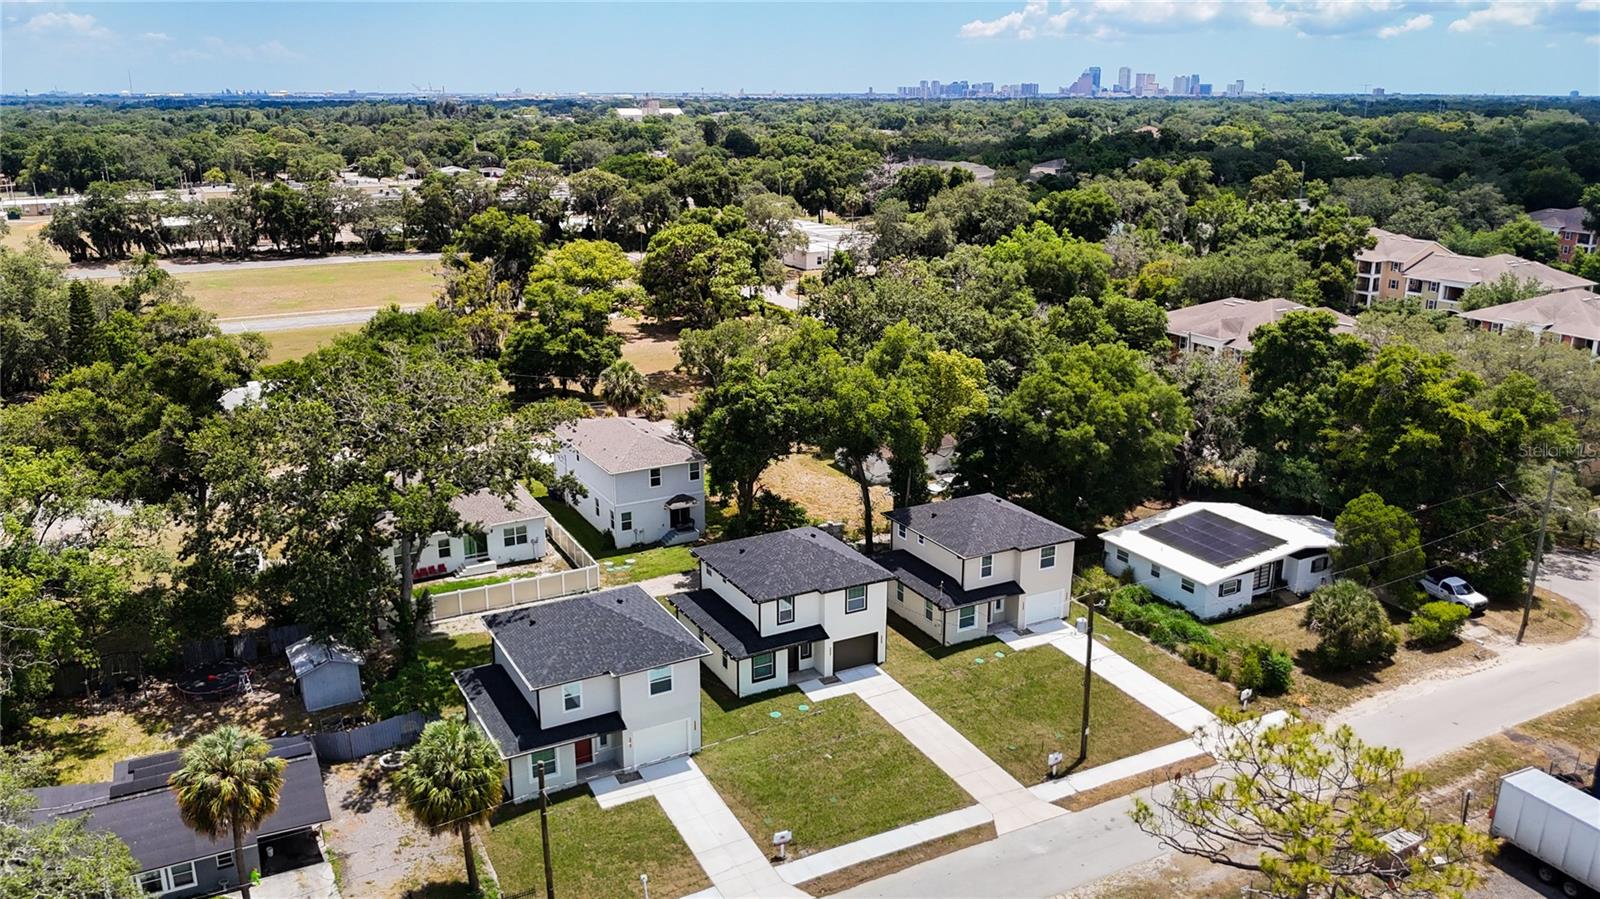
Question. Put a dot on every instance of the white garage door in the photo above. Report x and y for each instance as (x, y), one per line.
(653, 744)
(1042, 607)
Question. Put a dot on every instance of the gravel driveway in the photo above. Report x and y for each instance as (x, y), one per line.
(380, 852)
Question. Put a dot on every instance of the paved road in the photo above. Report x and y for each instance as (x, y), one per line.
(195, 268)
(295, 321)
(1077, 849)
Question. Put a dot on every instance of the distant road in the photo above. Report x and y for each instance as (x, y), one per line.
(295, 321)
(195, 268)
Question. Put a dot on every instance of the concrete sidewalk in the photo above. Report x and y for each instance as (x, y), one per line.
(881, 844)
(1012, 806)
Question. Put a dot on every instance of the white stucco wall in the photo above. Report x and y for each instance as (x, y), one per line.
(1204, 603)
(944, 626)
(428, 554)
(611, 495)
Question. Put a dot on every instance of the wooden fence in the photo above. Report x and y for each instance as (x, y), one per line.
(583, 577)
(359, 742)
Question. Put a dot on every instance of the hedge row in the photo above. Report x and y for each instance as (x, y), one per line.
(1258, 666)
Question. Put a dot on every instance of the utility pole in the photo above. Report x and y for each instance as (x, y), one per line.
(1088, 664)
(544, 835)
(1538, 552)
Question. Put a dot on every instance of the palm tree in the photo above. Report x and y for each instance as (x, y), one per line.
(452, 778)
(228, 784)
(623, 385)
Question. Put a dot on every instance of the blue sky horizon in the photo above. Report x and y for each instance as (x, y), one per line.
(1302, 46)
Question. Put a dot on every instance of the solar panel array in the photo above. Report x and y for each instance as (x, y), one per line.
(1212, 538)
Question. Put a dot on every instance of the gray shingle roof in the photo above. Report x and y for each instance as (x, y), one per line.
(514, 726)
(614, 632)
(734, 632)
(930, 583)
(620, 445)
(486, 510)
(982, 524)
(788, 563)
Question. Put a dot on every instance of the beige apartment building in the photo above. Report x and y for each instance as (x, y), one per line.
(1399, 267)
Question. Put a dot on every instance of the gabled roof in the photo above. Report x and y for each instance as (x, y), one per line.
(1230, 322)
(1561, 219)
(511, 723)
(732, 631)
(486, 510)
(788, 563)
(1401, 248)
(620, 445)
(613, 632)
(306, 656)
(1476, 270)
(982, 524)
(939, 588)
(142, 811)
(1570, 313)
(1287, 534)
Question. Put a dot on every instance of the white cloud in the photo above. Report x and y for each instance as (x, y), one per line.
(1515, 13)
(1415, 23)
(65, 24)
(215, 48)
(155, 37)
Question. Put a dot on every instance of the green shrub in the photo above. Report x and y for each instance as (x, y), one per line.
(1277, 671)
(1162, 636)
(1352, 628)
(1224, 671)
(1436, 623)
(1093, 582)
(1249, 675)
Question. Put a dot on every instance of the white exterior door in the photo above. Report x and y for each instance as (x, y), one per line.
(1042, 607)
(652, 744)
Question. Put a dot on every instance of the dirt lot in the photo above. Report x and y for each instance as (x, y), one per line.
(653, 350)
(826, 492)
(379, 851)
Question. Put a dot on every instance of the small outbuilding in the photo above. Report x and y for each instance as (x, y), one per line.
(327, 674)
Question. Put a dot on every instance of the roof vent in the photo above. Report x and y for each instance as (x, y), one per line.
(620, 600)
(741, 550)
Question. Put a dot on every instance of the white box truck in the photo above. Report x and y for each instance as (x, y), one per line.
(1556, 823)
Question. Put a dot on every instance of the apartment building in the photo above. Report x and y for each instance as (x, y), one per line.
(1402, 267)
(1567, 224)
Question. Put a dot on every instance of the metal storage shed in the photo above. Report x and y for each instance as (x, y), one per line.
(328, 674)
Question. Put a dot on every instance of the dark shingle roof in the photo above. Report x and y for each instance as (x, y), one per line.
(140, 809)
(614, 632)
(788, 563)
(982, 524)
(514, 726)
(734, 632)
(931, 583)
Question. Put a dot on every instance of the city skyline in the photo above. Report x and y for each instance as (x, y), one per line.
(1473, 47)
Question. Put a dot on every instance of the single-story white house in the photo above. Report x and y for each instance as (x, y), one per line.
(821, 242)
(497, 531)
(325, 674)
(1214, 558)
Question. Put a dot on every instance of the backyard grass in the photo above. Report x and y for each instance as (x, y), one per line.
(595, 852)
(85, 747)
(1200, 686)
(1018, 707)
(285, 345)
(427, 683)
(307, 288)
(834, 774)
(1327, 691)
(648, 562)
(826, 493)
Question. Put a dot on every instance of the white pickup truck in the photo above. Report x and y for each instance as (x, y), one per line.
(1448, 586)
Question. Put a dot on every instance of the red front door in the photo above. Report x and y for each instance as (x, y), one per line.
(585, 751)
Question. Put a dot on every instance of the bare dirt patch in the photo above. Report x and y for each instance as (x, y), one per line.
(827, 493)
(380, 851)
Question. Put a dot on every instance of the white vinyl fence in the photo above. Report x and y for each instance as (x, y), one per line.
(583, 577)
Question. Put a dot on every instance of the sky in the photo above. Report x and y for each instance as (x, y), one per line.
(1459, 46)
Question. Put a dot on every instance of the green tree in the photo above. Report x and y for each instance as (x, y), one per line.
(861, 414)
(226, 783)
(946, 389)
(917, 184)
(1351, 626)
(1213, 450)
(1086, 213)
(1507, 288)
(1527, 238)
(1436, 623)
(1380, 546)
(743, 424)
(452, 778)
(1053, 266)
(623, 386)
(1305, 810)
(693, 274)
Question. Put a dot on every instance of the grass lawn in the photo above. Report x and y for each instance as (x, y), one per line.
(1019, 706)
(20, 230)
(648, 562)
(429, 685)
(833, 774)
(1198, 685)
(307, 288)
(285, 345)
(827, 493)
(87, 746)
(1329, 691)
(595, 852)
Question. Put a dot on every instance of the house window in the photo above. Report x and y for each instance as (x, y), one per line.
(181, 876)
(1320, 564)
(655, 477)
(153, 883)
(444, 548)
(613, 519)
(1228, 588)
(1394, 283)
(694, 471)
(927, 609)
(627, 521)
(605, 740)
(1155, 570)
(660, 680)
(572, 697)
(517, 535)
(855, 600)
(1122, 555)
(805, 650)
(919, 539)
(762, 668)
(967, 618)
(597, 505)
(899, 593)
(1186, 585)
(168, 879)
(1047, 557)
(901, 530)
(986, 566)
(224, 861)
(551, 767)
(724, 660)
(786, 610)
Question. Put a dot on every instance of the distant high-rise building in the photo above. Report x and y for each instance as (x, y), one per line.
(1124, 79)
(1083, 87)
(1377, 92)
(1144, 84)
(1236, 89)
(1194, 84)
(1180, 85)
(1205, 90)
(1094, 77)
(1029, 89)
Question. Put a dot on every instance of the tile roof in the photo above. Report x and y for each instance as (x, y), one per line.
(1232, 321)
(621, 445)
(1571, 313)
(932, 584)
(788, 563)
(615, 632)
(734, 632)
(486, 510)
(514, 726)
(982, 524)
(1561, 219)
(142, 811)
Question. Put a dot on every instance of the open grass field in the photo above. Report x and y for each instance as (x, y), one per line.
(834, 773)
(286, 345)
(594, 852)
(827, 493)
(1020, 706)
(312, 288)
(19, 232)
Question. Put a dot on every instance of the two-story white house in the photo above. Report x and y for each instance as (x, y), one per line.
(776, 609)
(645, 485)
(968, 565)
(495, 531)
(589, 685)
